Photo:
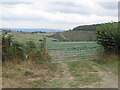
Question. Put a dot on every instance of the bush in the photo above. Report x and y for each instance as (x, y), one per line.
(108, 35)
(12, 49)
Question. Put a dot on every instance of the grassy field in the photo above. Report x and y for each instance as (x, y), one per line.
(61, 36)
(21, 36)
(75, 36)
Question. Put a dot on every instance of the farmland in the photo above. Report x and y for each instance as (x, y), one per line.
(72, 65)
(75, 36)
(21, 36)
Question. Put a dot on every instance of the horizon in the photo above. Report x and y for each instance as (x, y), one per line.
(46, 29)
(33, 29)
(62, 15)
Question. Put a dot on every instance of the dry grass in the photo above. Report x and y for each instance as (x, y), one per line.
(25, 74)
(109, 57)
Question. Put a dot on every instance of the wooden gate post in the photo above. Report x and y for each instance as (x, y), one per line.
(43, 47)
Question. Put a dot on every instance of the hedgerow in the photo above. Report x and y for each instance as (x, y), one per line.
(12, 49)
(108, 35)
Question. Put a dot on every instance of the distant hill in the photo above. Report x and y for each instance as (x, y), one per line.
(75, 36)
(26, 36)
(87, 27)
(32, 30)
(79, 33)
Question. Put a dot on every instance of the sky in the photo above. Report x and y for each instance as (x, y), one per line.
(56, 14)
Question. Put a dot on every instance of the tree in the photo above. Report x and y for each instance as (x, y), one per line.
(108, 35)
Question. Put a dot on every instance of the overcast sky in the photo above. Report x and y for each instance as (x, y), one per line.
(56, 14)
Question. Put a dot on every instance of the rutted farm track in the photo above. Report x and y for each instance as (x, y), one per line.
(88, 75)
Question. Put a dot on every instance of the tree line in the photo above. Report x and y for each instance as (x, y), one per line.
(88, 27)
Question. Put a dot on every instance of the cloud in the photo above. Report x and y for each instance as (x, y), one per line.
(82, 8)
(62, 14)
(14, 3)
(109, 5)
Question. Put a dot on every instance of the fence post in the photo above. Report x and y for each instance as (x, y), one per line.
(44, 45)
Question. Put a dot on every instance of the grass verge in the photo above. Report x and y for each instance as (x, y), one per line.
(27, 74)
(84, 72)
(108, 63)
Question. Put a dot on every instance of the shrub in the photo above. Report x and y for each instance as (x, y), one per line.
(108, 35)
(31, 45)
(12, 48)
